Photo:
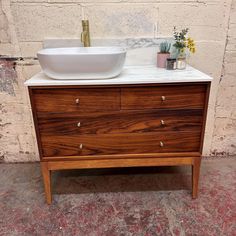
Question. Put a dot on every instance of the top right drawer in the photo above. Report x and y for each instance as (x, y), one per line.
(163, 97)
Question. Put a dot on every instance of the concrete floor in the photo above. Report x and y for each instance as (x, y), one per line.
(142, 201)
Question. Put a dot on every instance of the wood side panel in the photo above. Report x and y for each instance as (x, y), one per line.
(121, 122)
(64, 100)
(120, 143)
(208, 86)
(180, 97)
(35, 119)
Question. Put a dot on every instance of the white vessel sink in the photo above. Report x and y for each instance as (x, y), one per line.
(82, 63)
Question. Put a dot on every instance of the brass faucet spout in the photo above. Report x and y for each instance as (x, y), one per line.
(85, 35)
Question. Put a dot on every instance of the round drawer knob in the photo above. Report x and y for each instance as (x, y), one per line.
(161, 144)
(77, 101)
(78, 124)
(81, 146)
(163, 98)
(162, 122)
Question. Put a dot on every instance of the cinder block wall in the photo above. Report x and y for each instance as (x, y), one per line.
(224, 134)
(25, 23)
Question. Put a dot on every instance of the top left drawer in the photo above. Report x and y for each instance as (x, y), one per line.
(84, 100)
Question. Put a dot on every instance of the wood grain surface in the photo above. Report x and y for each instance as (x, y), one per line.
(119, 126)
(191, 96)
(121, 122)
(64, 100)
(120, 143)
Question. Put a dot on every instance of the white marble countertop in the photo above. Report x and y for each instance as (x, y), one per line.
(146, 74)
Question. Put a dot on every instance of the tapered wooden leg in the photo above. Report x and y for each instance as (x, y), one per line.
(195, 176)
(47, 181)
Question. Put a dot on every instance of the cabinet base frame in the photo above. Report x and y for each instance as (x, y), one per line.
(48, 166)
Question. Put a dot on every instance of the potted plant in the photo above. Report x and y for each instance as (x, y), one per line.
(163, 54)
(183, 45)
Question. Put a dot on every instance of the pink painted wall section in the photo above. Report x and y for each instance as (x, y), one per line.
(8, 76)
(17, 141)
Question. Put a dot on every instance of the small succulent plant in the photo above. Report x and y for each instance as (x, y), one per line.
(165, 47)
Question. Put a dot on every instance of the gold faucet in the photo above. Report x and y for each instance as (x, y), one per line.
(85, 36)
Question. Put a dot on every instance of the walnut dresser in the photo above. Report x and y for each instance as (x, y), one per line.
(145, 117)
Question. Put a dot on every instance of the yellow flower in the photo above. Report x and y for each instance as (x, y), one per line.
(191, 45)
(190, 41)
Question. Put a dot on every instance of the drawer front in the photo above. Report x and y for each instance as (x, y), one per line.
(178, 96)
(84, 145)
(76, 100)
(122, 122)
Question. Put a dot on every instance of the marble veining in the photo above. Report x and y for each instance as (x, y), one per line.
(133, 43)
(128, 43)
(145, 74)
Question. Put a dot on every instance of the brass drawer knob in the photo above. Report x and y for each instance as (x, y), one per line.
(163, 98)
(77, 101)
(162, 122)
(161, 144)
(81, 146)
(78, 124)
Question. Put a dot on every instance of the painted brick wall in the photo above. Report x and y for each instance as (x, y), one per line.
(25, 23)
(224, 136)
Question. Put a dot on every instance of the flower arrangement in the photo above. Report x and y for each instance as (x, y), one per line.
(182, 42)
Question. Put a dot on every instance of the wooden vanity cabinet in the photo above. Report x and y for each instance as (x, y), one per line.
(119, 126)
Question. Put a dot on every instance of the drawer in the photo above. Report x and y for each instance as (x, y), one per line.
(122, 122)
(84, 145)
(76, 100)
(178, 96)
